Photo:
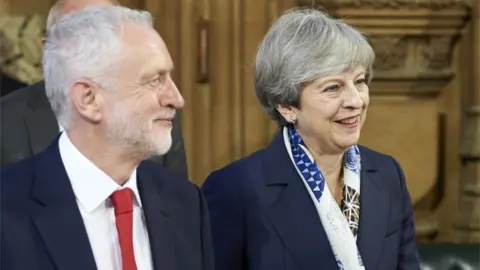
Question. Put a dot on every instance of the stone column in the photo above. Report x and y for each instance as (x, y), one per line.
(467, 226)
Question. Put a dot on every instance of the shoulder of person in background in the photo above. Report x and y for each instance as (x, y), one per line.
(9, 84)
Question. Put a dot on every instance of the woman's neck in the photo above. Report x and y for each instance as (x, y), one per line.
(329, 163)
(331, 168)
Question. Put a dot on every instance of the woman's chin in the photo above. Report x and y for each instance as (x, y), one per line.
(346, 142)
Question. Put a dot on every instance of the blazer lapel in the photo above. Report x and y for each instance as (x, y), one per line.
(292, 212)
(40, 121)
(158, 210)
(56, 214)
(374, 209)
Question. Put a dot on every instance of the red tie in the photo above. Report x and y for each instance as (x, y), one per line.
(122, 203)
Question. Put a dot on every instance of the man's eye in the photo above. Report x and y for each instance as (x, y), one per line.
(157, 81)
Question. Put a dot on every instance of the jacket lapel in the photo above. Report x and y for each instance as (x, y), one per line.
(158, 209)
(56, 214)
(40, 121)
(291, 211)
(159, 159)
(374, 209)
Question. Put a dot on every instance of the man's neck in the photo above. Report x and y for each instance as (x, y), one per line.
(116, 163)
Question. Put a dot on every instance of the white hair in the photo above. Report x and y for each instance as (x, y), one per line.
(85, 45)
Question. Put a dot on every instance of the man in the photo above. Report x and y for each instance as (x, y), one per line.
(27, 121)
(91, 200)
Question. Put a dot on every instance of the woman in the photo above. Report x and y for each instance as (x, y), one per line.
(312, 199)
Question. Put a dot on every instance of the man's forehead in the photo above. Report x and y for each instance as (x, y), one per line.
(140, 35)
(147, 46)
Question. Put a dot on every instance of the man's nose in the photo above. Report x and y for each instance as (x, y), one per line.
(172, 98)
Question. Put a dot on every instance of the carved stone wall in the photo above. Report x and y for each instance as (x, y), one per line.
(20, 47)
(468, 221)
(413, 41)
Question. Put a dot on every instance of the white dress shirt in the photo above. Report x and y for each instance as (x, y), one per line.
(92, 188)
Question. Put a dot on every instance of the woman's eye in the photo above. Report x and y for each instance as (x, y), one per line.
(361, 81)
(332, 88)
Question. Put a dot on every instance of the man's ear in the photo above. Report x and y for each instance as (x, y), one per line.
(44, 39)
(86, 99)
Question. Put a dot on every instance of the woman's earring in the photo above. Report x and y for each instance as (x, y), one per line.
(292, 119)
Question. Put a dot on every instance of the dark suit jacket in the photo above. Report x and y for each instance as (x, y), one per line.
(28, 126)
(42, 228)
(263, 218)
(9, 84)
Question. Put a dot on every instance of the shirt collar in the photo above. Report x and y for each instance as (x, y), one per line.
(92, 186)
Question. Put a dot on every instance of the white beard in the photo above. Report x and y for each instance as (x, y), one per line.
(132, 131)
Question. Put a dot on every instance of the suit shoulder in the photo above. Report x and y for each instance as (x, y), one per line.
(175, 182)
(14, 104)
(233, 174)
(181, 190)
(393, 172)
(375, 157)
(243, 165)
(16, 180)
(20, 95)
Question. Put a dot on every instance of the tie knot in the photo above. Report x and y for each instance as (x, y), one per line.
(122, 201)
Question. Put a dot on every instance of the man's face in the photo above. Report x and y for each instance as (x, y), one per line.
(139, 112)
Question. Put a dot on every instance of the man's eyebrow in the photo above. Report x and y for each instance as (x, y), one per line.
(162, 70)
(154, 73)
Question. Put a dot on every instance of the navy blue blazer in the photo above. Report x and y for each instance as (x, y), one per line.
(262, 216)
(42, 228)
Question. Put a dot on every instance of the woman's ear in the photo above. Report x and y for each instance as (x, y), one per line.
(288, 112)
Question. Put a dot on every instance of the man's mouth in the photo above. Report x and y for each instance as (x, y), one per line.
(164, 121)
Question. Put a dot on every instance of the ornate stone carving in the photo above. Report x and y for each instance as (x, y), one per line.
(391, 52)
(470, 147)
(394, 4)
(468, 215)
(21, 56)
(436, 52)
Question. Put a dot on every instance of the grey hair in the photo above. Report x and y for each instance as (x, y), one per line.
(301, 46)
(86, 44)
(54, 13)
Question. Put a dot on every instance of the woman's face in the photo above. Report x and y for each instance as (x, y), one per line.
(333, 110)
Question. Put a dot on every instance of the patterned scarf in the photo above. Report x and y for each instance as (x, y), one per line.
(340, 222)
